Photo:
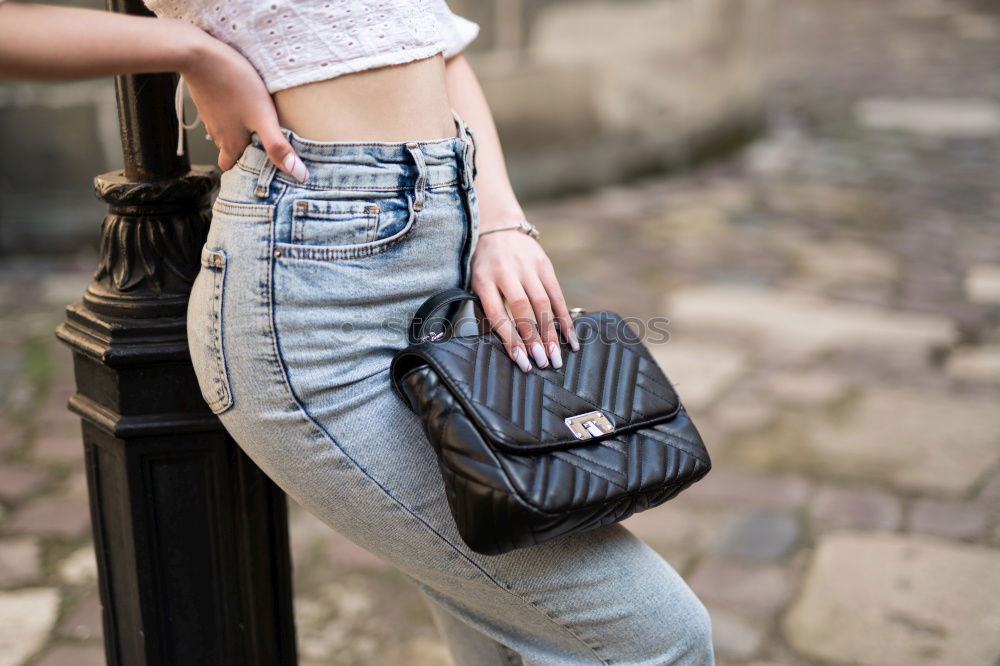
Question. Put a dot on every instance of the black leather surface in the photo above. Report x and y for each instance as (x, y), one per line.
(514, 472)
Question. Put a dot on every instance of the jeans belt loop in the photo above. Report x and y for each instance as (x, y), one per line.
(466, 168)
(475, 151)
(468, 165)
(267, 171)
(420, 186)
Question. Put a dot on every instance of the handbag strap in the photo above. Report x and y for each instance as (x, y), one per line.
(424, 316)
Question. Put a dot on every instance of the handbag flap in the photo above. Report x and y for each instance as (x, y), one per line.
(610, 386)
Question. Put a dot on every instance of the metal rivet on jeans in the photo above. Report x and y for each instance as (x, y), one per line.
(277, 253)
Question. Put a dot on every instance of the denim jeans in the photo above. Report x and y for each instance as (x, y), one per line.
(303, 296)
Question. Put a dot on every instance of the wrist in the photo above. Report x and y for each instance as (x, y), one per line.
(196, 49)
(524, 226)
(487, 222)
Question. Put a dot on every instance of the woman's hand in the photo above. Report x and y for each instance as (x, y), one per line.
(512, 266)
(233, 102)
(507, 265)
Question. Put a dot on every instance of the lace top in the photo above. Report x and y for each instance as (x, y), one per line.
(292, 42)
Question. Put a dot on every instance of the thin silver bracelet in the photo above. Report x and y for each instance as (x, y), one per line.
(524, 226)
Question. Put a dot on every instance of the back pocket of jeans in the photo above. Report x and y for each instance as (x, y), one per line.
(205, 331)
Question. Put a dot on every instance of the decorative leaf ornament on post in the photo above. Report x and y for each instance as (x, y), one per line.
(191, 537)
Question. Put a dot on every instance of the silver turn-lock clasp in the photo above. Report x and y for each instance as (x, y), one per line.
(591, 424)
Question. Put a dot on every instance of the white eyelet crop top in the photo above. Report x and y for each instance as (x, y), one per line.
(293, 42)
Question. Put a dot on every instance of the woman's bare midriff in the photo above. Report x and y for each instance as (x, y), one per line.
(407, 102)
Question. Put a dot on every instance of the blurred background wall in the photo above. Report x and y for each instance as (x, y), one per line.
(585, 93)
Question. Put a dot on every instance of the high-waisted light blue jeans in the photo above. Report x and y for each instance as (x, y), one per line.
(302, 299)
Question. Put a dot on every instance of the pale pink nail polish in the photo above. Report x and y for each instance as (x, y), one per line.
(555, 354)
(538, 353)
(294, 166)
(574, 344)
(521, 359)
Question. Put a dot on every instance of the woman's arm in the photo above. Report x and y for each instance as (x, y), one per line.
(507, 265)
(63, 43)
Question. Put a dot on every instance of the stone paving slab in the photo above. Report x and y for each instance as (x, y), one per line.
(20, 561)
(731, 487)
(700, 371)
(910, 440)
(855, 507)
(757, 535)
(954, 520)
(80, 567)
(982, 283)
(978, 364)
(55, 516)
(74, 655)
(734, 636)
(954, 118)
(17, 481)
(752, 589)
(893, 600)
(801, 324)
(82, 621)
(26, 618)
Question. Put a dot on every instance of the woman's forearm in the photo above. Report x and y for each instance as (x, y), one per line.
(63, 43)
(498, 204)
(43, 42)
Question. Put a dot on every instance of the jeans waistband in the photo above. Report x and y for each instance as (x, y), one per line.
(372, 164)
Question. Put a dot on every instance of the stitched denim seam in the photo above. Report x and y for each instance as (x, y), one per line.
(294, 251)
(328, 188)
(224, 395)
(299, 222)
(269, 291)
(256, 172)
(237, 209)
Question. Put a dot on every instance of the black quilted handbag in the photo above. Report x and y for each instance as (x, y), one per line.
(527, 457)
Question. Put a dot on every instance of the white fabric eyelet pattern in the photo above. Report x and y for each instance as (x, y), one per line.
(293, 42)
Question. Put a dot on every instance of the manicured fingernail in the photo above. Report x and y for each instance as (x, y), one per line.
(555, 354)
(294, 166)
(521, 359)
(574, 344)
(538, 353)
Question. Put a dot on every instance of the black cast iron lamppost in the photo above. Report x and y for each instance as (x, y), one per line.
(191, 537)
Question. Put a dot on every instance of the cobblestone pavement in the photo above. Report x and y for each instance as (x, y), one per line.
(834, 297)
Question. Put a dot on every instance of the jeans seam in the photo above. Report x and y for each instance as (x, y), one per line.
(269, 293)
(224, 398)
(236, 209)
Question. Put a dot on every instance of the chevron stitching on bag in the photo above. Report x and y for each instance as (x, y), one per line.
(505, 497)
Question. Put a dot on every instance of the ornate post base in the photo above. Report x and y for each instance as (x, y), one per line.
(191, 538)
